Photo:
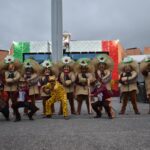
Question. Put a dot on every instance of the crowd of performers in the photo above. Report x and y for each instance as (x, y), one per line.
(66, 81)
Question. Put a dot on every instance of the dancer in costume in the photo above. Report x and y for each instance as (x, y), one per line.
(11, 78)
(103, 73)
(31, 71)
(48, 69)
(4, 109)
(58, 93)
(67, 79)
(23, 101)
(103, 95)
(128, 78)
(145, 70)
(84, 78)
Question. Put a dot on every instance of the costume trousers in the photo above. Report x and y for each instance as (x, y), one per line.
(80, 99)
(52, 100)
(133, 97)
(96, 105)
(27, 105)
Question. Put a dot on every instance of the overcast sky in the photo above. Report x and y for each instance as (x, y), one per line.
(126, 20)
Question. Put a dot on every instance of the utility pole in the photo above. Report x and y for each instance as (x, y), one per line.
(56, 30)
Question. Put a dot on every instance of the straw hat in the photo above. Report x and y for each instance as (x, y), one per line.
(104, 59)
(84, 63)
(66, 61)
(49, 65)
(30, 63)
(128, 62)
(9, 59)
(145, 63)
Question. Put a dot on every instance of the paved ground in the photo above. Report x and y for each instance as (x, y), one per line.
(128, 132)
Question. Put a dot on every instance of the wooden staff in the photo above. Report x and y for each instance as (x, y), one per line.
(89, 96)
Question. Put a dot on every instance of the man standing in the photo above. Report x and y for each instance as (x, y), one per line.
(47, 70)
(11, 78)
(103, 73)
(84, 78)
(145, 70)
(67, 79)
(128, 79)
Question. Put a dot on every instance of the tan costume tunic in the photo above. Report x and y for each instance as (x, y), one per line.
(11, 84)
(33, 84)
(68, 84)
(106, 78)
(42, 93)
(132, 82)
(83, 89)
(147, 83)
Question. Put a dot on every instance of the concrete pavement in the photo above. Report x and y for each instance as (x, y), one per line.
(128, 132)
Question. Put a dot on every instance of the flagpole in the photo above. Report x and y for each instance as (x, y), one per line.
(56, 29)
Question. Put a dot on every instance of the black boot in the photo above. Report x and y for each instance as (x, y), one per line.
(5, 112)
(18, 118)
(30, 116)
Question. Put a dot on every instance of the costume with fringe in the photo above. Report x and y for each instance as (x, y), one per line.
(4, 109)
(103, 73)
(11, 76)
(67, 79)
(84, 78)
(48, 69)
(128, 69)
(145, 70)
(31, 71)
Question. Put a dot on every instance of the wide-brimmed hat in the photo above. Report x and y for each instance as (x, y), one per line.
(84, 63)
(30, 63)
(104, 59)
(47, 64)
(144, 63)
(128, 61)
(66, 61)
(9, 59)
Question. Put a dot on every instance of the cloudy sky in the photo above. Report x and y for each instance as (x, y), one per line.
(126, 20)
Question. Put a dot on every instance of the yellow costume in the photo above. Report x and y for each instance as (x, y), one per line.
(58, 93)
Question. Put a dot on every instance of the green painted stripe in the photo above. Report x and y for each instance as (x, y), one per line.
(20, 48)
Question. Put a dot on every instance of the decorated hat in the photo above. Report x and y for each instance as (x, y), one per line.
(84, 62)
(30, 63)
(9, 59)
(65, 61)
(145, 63)
(47, 64)
(104, 59)
(147, 59)
(128, 61)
